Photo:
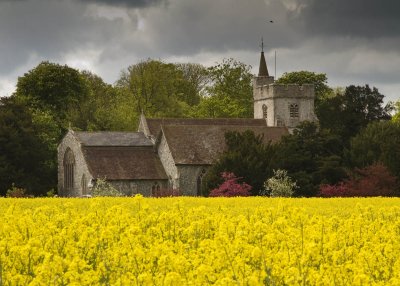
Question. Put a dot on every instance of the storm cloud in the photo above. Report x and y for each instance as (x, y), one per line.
(351, 41)
(355, 18)
(127, 3)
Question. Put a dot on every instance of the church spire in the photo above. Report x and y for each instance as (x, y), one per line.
(263, 71)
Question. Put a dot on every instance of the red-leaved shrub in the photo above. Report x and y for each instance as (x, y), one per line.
(338, 190)
(230, 187)
(166, 192)
(371, 181)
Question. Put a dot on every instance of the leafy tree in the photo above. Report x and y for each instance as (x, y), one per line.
(57, 89)
(346, 114)
(106, 107)
(195, 78)
(247, 156)
(230, 93)
(218, 107)
(156, 89)
(280, 185)
(378, 142)
(322, 90)
(230, 187)
(311, 157)
(27, 148)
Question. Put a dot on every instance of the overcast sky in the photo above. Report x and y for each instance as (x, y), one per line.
(352, 41)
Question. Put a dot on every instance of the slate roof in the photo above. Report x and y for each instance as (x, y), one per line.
(124, 163)
(202, 144)
(112, 138)
(154, 124)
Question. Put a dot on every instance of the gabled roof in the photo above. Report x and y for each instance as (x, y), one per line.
(202, 144)
(112, 138)
(124, 163)
(154, 124)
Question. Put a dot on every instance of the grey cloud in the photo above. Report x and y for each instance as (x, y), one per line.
(189, 27)
(126, 3)
(355, 18)
(48, 30)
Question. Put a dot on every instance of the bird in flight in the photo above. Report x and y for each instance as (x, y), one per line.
(271, 21)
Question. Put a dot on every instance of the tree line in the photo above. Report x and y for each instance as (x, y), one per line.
(51, 98)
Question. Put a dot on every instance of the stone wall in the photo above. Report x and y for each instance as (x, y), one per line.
(168, 163)
(283, 90)
(278, 98)
(131, 188)
(188, 178)
(80, 166)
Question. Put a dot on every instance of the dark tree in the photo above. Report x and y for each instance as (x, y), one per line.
(26, 158)
(379, 142)
(58, 89)
(311, 157)
(247, 156)
(346, 114)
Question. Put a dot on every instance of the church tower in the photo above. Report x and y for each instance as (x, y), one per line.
(281, 104)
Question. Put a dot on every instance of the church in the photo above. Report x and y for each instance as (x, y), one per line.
(175, 153)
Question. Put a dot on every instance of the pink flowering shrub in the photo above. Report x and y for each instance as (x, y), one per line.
(230, 187)
(338, 190)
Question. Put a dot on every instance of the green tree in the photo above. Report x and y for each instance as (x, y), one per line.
(247, 156)
(311, 157)
(107, 107)
(218, 107)
(57, 89)
(27, 148)
(346, 114)
(379, 142)
(195, 78)
(322, 90)
(230, 93)
(155, 88)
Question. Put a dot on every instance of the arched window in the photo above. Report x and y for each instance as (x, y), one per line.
(200, 182)
(294, 110)
(69, 168)
(84, 185)
(265, 111)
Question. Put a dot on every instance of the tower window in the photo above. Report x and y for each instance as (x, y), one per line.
(265, 111)
(294, 110)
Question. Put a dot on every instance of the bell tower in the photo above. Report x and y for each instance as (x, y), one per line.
(281, 104)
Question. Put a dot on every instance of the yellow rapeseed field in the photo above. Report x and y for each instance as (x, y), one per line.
(200, 241)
